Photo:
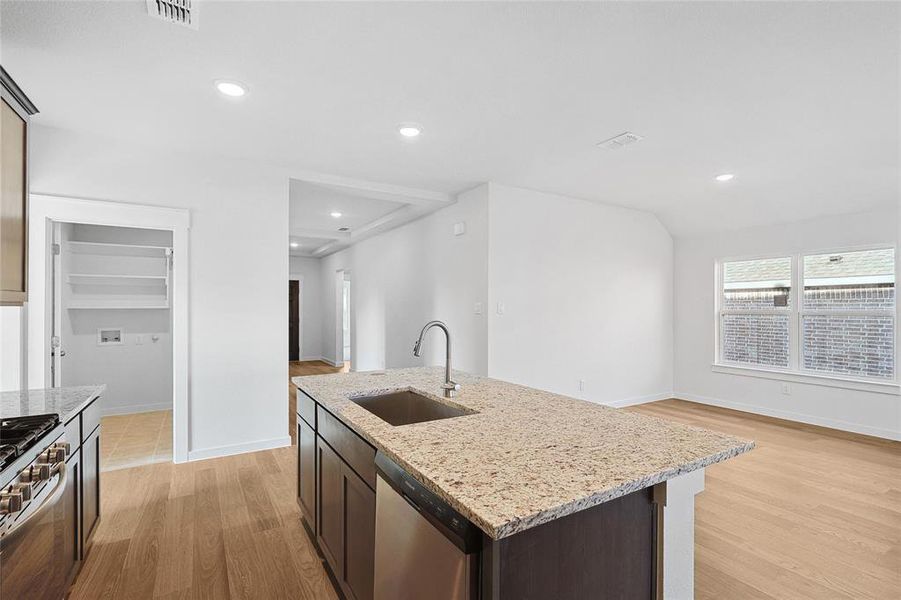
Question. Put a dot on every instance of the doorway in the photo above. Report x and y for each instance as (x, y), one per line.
(293, 319)
(45, 211)
(112, 323)
(343, 320)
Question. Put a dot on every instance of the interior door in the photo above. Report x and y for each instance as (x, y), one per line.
(56, 285)
(293, 319)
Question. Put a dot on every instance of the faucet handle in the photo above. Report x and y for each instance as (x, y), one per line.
(450, 388)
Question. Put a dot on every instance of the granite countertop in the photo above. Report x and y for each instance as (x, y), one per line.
(528, 456)
(65, 401)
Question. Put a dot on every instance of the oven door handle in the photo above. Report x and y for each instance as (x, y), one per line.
(48, 502)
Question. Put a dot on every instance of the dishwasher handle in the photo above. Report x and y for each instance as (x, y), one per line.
(453, 525)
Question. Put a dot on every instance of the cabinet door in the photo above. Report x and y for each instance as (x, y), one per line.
(72, 538)
(306, 472)
(90, 487)
(330, 523)
(359, 537)
(12, 206)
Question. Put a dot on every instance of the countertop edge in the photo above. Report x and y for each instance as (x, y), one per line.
(520, 524)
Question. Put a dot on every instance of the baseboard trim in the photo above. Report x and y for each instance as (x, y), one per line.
(639, 400)
(879, 432)
(110, 411)
(220, 451)
(320, 359)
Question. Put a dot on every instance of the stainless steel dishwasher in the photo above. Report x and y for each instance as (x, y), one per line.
(424, 549)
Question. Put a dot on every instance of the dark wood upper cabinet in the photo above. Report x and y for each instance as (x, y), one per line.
(15, 108)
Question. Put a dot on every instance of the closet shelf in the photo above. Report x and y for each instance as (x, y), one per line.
(110, 249)
(105, 305)
(125, 280)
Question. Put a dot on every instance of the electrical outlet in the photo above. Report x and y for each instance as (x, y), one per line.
(786, 389)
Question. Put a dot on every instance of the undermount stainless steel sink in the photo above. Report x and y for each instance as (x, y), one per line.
(406, 407)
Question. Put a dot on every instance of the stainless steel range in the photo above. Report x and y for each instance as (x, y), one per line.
(38, 524)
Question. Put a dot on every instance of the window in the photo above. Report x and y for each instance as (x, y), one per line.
(754, 316)
(848, 313)
(842, 323)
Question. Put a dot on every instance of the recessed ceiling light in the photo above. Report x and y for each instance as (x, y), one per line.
(234, 89)
(409, 130)
(294, 245)
(335, 214)
(725, 177)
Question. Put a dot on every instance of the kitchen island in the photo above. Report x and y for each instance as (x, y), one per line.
(526, 466)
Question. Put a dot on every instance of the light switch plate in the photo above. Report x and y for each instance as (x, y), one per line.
(460, 228)
(477, 309)
(500, 308)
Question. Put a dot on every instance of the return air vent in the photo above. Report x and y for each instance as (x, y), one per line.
(180, 12)
(623, 139)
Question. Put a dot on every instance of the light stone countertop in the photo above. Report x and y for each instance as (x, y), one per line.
(528, 456)
(65, 401)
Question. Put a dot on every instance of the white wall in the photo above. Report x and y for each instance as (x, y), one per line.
(138, 373)
(307, 271)
(407, 276)
(238, 260)
(13, 371)
(863, 412)
(587, 293)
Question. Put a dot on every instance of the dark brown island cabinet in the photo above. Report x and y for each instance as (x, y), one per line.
(612, 550)
(15, 110)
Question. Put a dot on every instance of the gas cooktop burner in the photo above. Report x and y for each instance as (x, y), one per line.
(18, 434)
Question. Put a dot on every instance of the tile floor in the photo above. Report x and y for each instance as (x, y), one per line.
(135, 439)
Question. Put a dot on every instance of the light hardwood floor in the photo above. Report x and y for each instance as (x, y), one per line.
(136, 439)
(810, 513)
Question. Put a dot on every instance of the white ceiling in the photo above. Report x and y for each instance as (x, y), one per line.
(799, 100)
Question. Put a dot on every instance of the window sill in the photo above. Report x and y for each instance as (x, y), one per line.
(878, 387)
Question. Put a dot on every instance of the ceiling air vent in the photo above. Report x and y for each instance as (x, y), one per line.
(623, 139)
(180, 12)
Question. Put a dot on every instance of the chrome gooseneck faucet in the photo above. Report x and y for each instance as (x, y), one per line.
(449, 386)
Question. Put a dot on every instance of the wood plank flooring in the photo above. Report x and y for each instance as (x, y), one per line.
(219, 529)
(811, 513)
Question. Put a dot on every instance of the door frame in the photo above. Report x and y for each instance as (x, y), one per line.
(44, 209)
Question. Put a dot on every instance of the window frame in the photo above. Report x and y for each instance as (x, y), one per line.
(795, 370)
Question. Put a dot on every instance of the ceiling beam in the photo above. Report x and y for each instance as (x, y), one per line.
(325, 234)
(377, 191)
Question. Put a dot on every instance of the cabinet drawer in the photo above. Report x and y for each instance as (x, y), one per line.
(355, 451)
(90, 419)
(306, 408)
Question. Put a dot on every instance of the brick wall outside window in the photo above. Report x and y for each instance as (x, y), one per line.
(861, 346)
(755, 339)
